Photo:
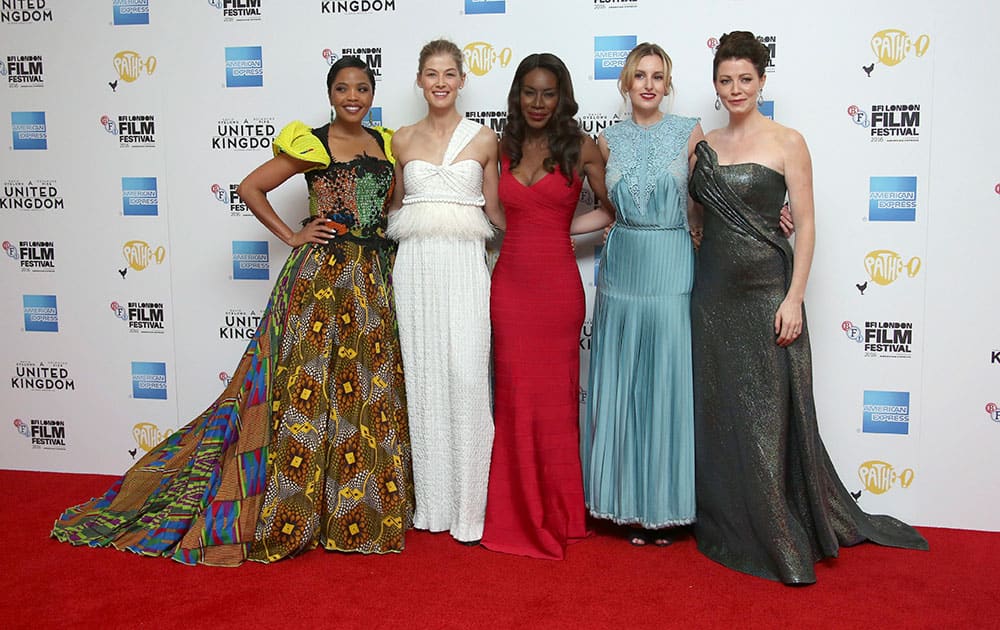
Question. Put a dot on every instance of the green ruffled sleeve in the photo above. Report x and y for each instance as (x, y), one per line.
(297, 141)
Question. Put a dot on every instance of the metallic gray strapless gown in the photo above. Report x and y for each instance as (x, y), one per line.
(769, 500)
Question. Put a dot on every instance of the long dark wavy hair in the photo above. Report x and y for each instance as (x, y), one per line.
(562, 130)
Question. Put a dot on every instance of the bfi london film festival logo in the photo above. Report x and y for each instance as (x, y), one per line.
(610, 52)
(886, 412)
(139, 197)
(44, 433)
(239, 323)
(141, 317)
(899, 122)
(882, 339)
(244, 66)
(495, 119)
(147, 435)
(351, 7)
(23, 71)
(238, 10)
(251, 260)
(129, 66)
(44, 376)
(994, 411)
(132, 130)
(226, 195)
(32, 256)
(40, 313)
(770, 41)
(24, 11)
(884, 267)
(892, 198)
(371, 55)
(130, 12)
(249, 134)
(149, 380)
(892, 45)
(39, 194)
(481, 7)
(28, 131)
(140, 255)
(879, 477)
(482, 57)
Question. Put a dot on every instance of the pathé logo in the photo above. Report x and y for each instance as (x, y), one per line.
(481, 57)
(892, 45)
(879, 477)
(130, 64)
(140, 254)
(884, 266)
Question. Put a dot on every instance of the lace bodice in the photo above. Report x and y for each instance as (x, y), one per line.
(647, 171)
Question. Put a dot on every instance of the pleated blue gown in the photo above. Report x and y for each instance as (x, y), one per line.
(637, 441)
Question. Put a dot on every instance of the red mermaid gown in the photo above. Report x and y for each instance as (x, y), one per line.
(535, 505)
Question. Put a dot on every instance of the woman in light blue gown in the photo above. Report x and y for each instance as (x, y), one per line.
(638, 437)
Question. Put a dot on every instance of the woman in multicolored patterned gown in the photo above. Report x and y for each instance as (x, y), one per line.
(309, 444)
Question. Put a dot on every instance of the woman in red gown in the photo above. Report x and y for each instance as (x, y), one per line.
(535, 503)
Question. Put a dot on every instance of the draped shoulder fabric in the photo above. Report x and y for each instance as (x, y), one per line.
(769, 500)
(442, 288)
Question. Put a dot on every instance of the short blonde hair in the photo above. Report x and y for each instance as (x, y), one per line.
(644, 49)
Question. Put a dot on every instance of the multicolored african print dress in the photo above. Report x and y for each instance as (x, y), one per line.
(309, 444)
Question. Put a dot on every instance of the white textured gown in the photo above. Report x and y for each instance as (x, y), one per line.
(442, 288)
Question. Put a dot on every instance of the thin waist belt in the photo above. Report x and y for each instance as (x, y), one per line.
(650, 228)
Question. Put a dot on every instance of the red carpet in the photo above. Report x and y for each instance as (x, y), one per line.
(437, 583)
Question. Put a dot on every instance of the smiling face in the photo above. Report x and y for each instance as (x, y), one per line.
(738, 84)
(351, 94)
(649, 84)
(539, 97)
(440, 79)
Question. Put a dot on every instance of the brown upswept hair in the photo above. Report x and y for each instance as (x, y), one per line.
(741, 45)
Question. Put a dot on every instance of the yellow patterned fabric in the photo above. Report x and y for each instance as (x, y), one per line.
(297, 140)
(309, 445)
(386, 134)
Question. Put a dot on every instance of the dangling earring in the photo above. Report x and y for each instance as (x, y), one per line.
(760, 97)
(718, 103)
(333, 114)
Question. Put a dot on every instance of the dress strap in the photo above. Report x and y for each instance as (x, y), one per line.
(464, 132)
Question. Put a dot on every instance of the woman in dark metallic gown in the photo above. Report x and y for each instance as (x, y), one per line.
(769, 501)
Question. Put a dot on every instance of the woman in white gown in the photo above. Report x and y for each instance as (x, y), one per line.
(448, 169)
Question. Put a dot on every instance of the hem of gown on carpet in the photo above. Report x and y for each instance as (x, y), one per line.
(636, 520)
(754, 569)
(520, 551)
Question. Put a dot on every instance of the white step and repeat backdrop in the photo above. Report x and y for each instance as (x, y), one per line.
(133, 276)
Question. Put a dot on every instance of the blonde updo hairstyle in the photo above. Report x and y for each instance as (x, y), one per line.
(644, 49)
(440, 47)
